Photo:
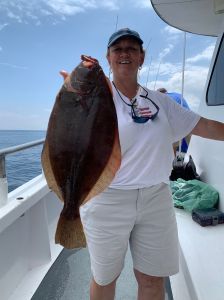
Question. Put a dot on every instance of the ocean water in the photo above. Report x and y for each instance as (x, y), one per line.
(24, 165)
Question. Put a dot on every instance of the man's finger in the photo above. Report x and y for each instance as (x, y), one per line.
(64, 74)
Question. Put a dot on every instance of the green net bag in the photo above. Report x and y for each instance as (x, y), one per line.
(193, 194)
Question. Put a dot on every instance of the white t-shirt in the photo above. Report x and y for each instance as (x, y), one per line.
(146, 148)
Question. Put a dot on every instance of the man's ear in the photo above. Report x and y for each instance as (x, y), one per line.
(142, 58)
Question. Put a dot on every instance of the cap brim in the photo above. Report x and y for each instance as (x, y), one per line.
(123, 36)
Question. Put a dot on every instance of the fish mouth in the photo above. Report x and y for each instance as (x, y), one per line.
(88, 60)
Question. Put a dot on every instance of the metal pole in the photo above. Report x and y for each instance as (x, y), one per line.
(182, 85)
(3, 177)
(3, 182)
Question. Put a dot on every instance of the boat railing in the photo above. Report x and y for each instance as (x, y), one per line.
(3, 176)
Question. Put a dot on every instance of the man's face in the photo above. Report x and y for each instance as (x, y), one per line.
(125, 56)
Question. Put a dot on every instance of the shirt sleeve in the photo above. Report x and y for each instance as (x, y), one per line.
(182, 121)
(185, 104)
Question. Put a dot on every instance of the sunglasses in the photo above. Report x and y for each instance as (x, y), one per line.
(140, 119)
(143, 119)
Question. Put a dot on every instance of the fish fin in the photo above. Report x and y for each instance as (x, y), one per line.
(109, 84)
(70, 234)
(48, 172)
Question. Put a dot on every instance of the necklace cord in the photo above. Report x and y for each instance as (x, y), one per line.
(134, 116)
(131, 105)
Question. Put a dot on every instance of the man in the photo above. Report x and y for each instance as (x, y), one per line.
(177, 97)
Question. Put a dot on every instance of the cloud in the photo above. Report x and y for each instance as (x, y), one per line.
(14, 16)
(2, 26)
(164, 69)
(172, 34)
(63, 7)
(13, 66)
(142, 4)
(166, 51)
(171, 30)
(172, 37)
(204, 55)
(169, 75)
(110, 4)
(22, 120)
(23, 11)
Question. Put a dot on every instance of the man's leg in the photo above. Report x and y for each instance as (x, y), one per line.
(107, 231)
(149, 287)
(99, 292)
(154, 241)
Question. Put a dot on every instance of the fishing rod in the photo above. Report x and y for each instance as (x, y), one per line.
(149, 67)
(157, 74)
(146, 49)
(114, 30)
(182, 80)
(116, 23)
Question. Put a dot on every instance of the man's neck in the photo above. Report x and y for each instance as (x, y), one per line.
(127, 88)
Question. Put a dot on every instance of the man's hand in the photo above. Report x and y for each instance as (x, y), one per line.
(67, 82)
(64, 74)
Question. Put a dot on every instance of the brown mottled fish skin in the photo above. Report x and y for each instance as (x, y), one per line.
(81, 154)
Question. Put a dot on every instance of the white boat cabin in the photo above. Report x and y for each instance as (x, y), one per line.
(201, 275)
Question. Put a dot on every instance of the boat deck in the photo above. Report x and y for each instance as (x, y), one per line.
(69, 278)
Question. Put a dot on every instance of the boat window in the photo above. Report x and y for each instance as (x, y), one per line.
(215, 93)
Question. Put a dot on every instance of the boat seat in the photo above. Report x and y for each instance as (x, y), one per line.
(201, 275)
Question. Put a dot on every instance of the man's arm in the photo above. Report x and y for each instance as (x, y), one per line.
(209, 129)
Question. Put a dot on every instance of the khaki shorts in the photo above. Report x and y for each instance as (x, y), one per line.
(144, 218)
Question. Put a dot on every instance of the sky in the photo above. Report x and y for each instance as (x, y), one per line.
(38, 38)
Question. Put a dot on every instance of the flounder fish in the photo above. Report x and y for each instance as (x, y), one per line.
(81, 153)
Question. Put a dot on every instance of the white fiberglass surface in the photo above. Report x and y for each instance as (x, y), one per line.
(192, 16)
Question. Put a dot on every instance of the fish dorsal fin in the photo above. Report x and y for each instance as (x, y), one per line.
(109, 84)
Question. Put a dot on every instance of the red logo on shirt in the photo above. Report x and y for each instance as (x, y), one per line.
(144, 112)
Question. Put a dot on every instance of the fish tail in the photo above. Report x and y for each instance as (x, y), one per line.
(69, 233)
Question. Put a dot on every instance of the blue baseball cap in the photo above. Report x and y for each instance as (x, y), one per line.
(124, 32)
